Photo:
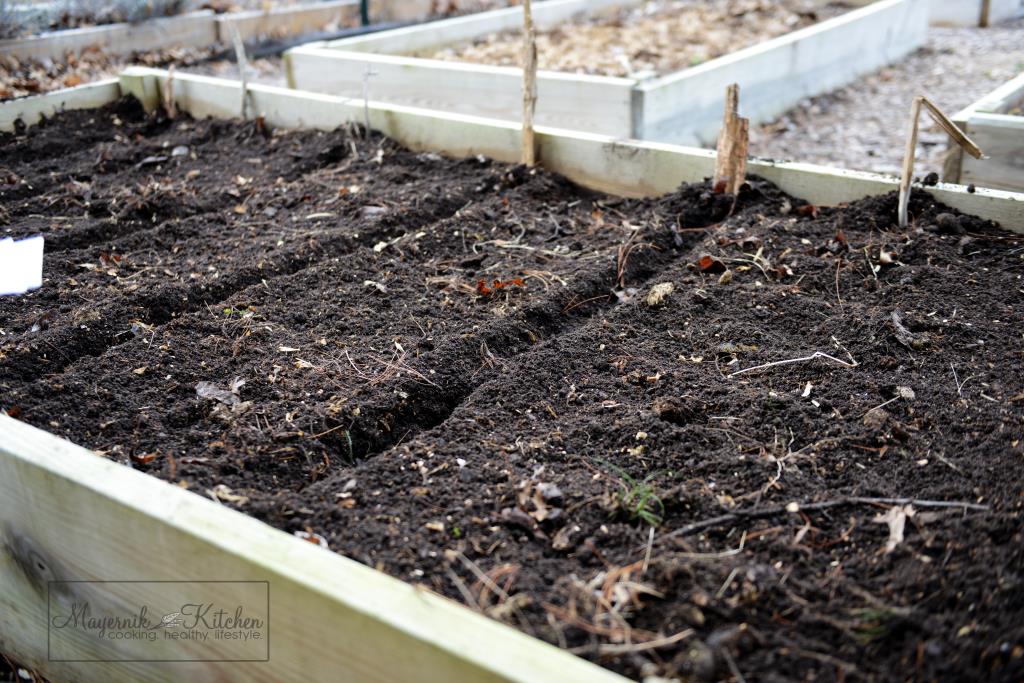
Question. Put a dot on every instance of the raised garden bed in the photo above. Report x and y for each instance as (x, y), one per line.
(681, 106)
(653, 38)
(996, 122)
(195, 29)
(422, 426)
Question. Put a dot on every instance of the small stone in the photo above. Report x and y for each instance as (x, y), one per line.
(435, 526)
(725, 278)
(875, 418)
(658, 294)
(674, 410)
(948, 223)
(697, 660)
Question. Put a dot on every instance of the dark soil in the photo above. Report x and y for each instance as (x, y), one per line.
(534, 434)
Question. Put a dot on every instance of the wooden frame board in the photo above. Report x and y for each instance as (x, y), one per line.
(196, 29)
(1000, 134)
(30, 110)
(774, 76)
(68, 514)
(684, 107)
(969, 12)
(287, 20)
(579, 102)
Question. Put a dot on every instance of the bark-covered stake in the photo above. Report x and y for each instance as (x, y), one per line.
(733, 141)
(529, 85)
(908, 158)
(169, 107)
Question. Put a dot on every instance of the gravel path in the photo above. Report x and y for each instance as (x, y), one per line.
(863, 126)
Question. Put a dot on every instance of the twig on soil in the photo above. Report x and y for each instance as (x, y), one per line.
(624, 251)
(529, 85)
(945, 461)
(947, 125)
(804, 359)
(481, 576)
(731, 663)
(616, 649)
(577, 304)
(467, 596)
(823, 658)
(725, 584)
(959, 384)
(839, 265)
(647, 554)
(811, 507)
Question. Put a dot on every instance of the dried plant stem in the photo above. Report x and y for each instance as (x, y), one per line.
(810, 507)
(529, 85)
(951, 129)
(802, 359)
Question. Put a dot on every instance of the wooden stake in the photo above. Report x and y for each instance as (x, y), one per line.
(733, 141)
(529, 85)
(243, 67)
(951, 129)
(986, 11)
(169, 107)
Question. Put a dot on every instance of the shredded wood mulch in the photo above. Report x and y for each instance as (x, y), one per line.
(20, 78)
(780, 443)
(658, 37)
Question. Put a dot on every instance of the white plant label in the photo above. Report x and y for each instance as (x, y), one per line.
(21, 265)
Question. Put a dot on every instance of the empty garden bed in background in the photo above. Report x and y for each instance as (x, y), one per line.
(668, 89)
(862, 125)
(653, 37)
(67, 58)
(677, 436)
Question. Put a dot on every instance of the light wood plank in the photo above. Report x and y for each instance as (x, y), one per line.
(404, 41)
(1001, 137)
(968, 12)
(594, 103)
(627, 168)
(196, 29)
(287, 20)
(66, 513)
(686, 107)
(31, 109)
(1000, 101)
